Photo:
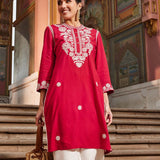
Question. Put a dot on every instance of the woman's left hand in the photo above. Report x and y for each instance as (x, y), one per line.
(107, 110)
(108, 115)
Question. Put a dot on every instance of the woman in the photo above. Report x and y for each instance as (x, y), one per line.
(73, 83)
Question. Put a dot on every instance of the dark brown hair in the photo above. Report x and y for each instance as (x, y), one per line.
(78, 1)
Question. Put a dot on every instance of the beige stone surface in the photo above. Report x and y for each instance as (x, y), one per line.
(134, 158)
(24, 91)
(144, 95)
(18, 128)
(135, 152)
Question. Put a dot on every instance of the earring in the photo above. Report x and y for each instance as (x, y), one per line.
(77, 15)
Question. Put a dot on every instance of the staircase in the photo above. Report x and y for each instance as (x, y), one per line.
(17, 131)
(134, 133)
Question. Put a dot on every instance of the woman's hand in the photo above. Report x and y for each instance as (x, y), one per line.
(108, 115)
(40, 114)
(107, 110)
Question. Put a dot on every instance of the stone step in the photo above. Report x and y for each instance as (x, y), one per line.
(17, 156)
(21, 141)
(134, 141)
(4, 105)
(18, 111)
(136, 110)
(21, 136)
(17, 148)
(148, 147)
(18, 128)
(136, 152)
(129, 131)
(135, 136)
(12, 155)
(17, 119)
(123, 129)
(135, 113)
(136, 121)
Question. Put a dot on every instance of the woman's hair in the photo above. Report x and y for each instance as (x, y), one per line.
(78, 1)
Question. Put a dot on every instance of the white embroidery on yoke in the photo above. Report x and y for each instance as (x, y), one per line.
(70, 44)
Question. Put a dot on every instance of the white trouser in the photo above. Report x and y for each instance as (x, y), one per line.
(79, 154)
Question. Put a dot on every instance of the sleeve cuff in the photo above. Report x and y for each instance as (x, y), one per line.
(42, 85)
(108, 88)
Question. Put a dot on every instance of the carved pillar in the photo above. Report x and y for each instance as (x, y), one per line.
(152, 38)
(41, 21)
(150, 16)
(54, 15)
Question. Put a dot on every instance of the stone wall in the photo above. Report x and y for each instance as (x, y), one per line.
(24, 91)
(24, 48)
(144, 95)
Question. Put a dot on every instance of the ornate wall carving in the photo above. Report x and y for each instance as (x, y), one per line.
(5, 21)
(125, 12)
(5, 44)
(127, 58)
(150, 16)
(23, 6)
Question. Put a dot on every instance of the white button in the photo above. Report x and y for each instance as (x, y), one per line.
(79, 107)
(104, 136)
(58, 138)
(58, 84)
(97, 84)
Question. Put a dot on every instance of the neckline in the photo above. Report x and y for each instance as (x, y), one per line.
(72, 27)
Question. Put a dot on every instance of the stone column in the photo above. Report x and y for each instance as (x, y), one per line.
(41, 21)
(152, 38)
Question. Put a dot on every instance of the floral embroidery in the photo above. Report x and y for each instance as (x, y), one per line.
(71, 47)
(42, 85)
(107, 87)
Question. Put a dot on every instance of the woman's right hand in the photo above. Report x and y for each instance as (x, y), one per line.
(40, 114)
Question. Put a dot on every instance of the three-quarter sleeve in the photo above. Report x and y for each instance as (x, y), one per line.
(47, 60)
(102, 66)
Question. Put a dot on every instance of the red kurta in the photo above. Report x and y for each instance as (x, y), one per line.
(74, 71)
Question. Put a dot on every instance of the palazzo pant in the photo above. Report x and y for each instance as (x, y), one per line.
(79, 154)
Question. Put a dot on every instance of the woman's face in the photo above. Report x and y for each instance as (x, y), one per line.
(68, 8)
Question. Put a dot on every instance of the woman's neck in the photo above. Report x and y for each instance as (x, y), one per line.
(73, 23)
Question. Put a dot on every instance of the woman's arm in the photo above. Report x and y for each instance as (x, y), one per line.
(40, 112)
(108, 113)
